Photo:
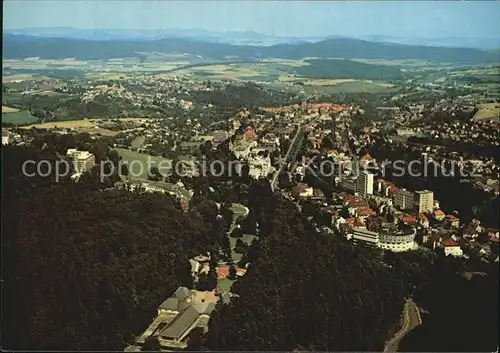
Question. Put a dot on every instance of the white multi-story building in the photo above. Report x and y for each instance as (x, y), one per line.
(398, 241)
(365, 235)
(5, 137)
(364, 183)
(424, 201)
(403, 199)
(82, 160)
(260, 166)
(394, 241)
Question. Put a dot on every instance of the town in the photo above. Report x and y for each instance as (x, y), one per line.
(274, 177)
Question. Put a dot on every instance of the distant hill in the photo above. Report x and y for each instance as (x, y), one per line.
(243, 37)
(23, 46)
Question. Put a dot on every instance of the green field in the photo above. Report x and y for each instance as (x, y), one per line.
(351, 87)
(20, 117)
(137, 162)
(345, 69)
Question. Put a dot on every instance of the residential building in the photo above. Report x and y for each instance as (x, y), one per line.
(423, 201)
(403, 199)
(438, 215)
(302, 190)
(179, 315)
(364, 183)
(364, 235)
(5, 137)
(398, 241)
(82, 160)
(387, 239)
(451, 248)
(452, 221)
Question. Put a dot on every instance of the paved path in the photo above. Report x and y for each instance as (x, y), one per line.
(411, 319)
(284, 160)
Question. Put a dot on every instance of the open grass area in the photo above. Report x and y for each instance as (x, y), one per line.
(488, 111)
(137, 162)
(138, 142)
(18, 117)
(352, 86)
(84, 125)
(8, 109)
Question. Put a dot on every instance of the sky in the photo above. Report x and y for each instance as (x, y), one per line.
(424, 19)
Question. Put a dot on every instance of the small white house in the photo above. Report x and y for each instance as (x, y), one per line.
(451, 248)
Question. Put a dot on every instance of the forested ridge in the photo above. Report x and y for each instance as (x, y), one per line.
(304, 290)
(22, 46)
(86, 269)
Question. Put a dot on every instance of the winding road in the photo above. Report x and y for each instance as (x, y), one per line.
(411, 319)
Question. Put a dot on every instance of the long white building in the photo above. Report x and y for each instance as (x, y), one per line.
(387, 240)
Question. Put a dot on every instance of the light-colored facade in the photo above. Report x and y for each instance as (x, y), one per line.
(364, 183)
(403, 199)
(398, 241)
(392, 241)
(366, 236)
(260, 167)
(453, 250)
(424, 201)
(82, 160)
(5, 137)
(303, 190)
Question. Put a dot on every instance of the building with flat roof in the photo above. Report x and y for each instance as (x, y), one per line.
(364, 183)
(403, 199)
(5, 137)
(386, 239)
(423, 201)
(179, 314)
(82, 160)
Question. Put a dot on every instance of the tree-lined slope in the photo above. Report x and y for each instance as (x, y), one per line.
(21, 46)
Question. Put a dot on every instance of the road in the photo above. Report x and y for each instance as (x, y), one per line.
(284, 161)
(411, 319)
(275, 179)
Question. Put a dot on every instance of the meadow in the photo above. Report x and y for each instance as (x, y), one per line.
(84, 125)
(488, 111)
(140, 159)
(351, 86)
(6, 110)
(17, 117)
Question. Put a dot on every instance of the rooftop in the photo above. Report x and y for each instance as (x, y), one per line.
(449, 242)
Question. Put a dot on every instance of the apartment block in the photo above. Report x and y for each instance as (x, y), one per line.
(82, 160)
(364, 183)
(424, 201)
(403, 199)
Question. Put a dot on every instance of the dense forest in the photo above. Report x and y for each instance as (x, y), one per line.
(86, 269)
(462, 312)
(306, 291)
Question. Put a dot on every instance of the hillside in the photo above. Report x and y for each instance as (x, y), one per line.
(23, 46)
